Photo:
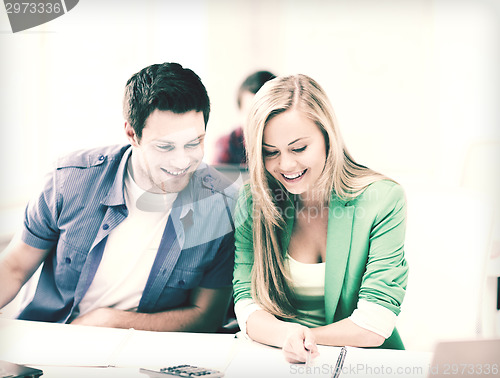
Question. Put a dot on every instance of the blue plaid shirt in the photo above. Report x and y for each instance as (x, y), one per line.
(83, 201)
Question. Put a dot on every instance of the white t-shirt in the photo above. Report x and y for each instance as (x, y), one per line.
(308, 282)
(130, 251)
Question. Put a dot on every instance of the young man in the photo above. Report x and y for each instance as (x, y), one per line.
(133, 236)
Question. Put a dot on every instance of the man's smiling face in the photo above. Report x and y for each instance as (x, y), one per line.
(170, 150)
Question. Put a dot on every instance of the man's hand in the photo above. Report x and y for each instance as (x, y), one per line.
(299, 345)
(100, 317)
(204, 314)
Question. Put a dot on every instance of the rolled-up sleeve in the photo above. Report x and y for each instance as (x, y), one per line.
(40, 217)
(386, 276)
(243, 309)
(374, 317)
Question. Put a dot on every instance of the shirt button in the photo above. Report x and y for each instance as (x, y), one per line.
(181, 283)
(105, 227)
(67, 260)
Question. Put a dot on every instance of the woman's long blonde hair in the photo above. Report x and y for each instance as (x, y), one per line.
(341, 176)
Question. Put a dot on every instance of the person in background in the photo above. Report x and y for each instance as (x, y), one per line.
(319, 238)
(230, 148)
(126, 234)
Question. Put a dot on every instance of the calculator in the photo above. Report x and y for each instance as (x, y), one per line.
(183, 371)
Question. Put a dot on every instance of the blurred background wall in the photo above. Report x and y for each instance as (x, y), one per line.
(415, 86)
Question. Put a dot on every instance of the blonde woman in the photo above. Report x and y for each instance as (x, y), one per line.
(319, 238)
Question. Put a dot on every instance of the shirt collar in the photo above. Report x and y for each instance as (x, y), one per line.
(185, 199)
(115, 195)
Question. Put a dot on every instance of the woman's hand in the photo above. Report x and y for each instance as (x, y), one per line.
(299, 345)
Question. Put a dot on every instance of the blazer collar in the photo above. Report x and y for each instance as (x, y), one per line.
(338, 245)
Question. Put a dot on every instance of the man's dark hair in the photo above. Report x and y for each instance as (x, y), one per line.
(253, 83)
(166, 86)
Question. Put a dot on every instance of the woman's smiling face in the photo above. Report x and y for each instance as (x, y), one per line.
(294, 151)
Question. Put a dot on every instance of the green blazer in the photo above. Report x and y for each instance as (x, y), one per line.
(364, 251)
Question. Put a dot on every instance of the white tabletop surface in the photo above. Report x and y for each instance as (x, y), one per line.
(63, 351)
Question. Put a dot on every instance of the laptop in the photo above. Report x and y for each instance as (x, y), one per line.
(10, 370)
(467, 358)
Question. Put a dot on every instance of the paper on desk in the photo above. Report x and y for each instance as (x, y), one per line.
(257, 360)
(386, 363)
(160, 349)
(39, 343)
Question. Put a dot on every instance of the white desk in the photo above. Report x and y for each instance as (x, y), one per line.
(63, 351)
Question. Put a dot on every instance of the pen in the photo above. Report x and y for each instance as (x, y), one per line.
(308, 360)
(340, 363)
